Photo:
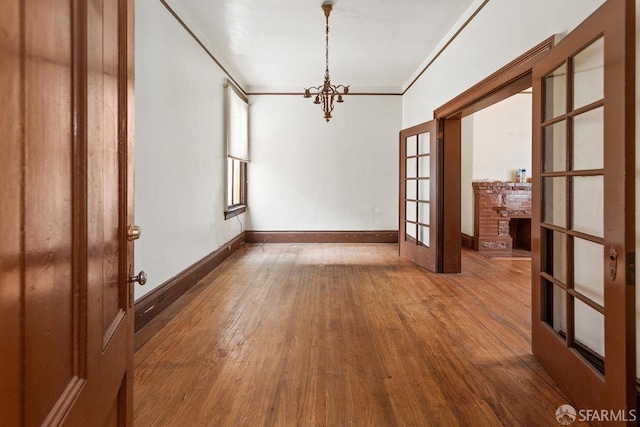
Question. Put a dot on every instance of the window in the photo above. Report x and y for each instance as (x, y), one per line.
(237, 136)
(236, 177)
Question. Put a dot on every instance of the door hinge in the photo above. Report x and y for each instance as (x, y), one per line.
(440, 135)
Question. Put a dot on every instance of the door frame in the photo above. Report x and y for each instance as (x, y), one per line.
(507, 81)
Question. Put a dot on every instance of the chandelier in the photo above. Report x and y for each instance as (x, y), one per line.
(326, 93)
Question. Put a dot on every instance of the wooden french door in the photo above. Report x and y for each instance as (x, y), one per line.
(66, 305)
(418, 232)
(583, 328)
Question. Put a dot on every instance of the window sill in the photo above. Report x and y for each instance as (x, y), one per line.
(234, 211)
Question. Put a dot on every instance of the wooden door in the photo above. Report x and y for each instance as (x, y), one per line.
(418, 232)
(583, 211)
(66, 185)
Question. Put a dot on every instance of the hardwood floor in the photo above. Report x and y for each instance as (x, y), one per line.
(344, 334)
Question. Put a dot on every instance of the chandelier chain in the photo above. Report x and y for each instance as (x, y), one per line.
(327, 46)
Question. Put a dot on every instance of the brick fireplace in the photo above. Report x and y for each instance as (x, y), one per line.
(502, 216)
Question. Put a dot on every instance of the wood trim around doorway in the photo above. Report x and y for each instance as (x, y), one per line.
(509, 80)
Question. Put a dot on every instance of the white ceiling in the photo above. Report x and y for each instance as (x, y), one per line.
(278, 45)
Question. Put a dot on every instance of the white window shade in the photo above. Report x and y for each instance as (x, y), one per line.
(237, 109)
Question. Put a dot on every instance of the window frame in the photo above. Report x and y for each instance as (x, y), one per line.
(234, 209)
(240, 207)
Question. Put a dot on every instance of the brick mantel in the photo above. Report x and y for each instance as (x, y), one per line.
(495, 204)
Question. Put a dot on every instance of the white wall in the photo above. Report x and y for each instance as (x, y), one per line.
(502, 31)
(495, 142)
(306, 174)
(179, 149)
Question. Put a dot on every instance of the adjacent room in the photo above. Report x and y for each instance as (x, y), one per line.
(496, 186)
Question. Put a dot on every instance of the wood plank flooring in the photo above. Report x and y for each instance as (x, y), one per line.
(346, 335)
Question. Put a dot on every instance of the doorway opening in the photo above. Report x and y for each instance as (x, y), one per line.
(510, 80)
(495, 188)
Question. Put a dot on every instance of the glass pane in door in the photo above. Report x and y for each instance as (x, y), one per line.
(412, 146)
(588, 269)
(424, 190)
(424, 212)
(555, 147)
(555, 88)
(559, 321)
(557, 255)
(555, 201)
(588, 140)
(424, 166)
(410, 231)
(412, 211)
(589, 327)
(411, 189)
(588, 74)
(424, 143)
(588, 205)
(412, 167)
(423, 235)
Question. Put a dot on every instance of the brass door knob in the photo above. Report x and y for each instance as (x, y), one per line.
(141, 278)
(133, 233)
